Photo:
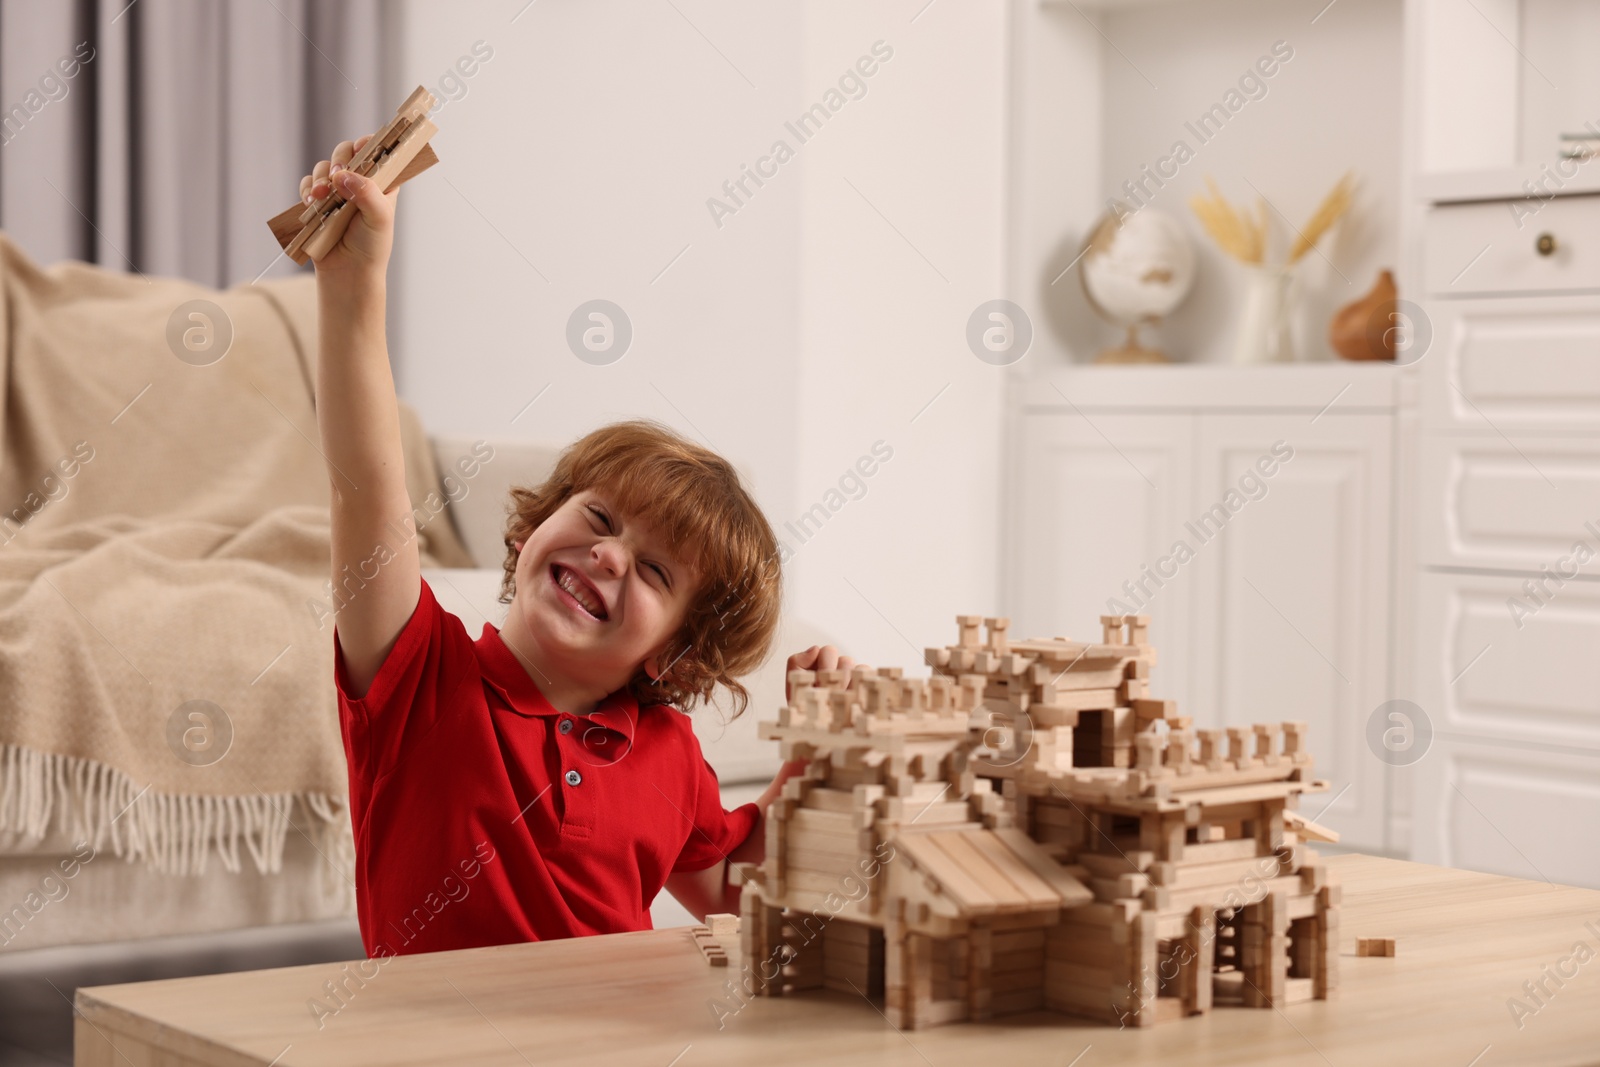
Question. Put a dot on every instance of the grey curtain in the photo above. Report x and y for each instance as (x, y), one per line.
(158, 136)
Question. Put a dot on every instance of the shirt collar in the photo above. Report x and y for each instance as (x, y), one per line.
(502, 669)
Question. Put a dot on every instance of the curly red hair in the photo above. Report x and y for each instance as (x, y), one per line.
(694, 500)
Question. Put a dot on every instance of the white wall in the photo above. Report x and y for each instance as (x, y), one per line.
(901, 239)
(1055, 184)
(584, 151)
(792, 338)
(1333, 107)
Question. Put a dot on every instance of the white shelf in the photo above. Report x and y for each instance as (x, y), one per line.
(1221, 386)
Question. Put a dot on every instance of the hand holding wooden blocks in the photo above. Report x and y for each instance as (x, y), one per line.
(395, 154)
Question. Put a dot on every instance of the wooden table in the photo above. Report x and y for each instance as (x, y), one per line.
(1466, 944)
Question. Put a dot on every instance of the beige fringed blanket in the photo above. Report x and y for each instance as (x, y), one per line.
(163, 540)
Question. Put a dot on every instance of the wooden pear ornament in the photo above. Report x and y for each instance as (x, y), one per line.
(1365, 329)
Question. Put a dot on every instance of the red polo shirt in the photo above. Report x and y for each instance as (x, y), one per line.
(484, 816)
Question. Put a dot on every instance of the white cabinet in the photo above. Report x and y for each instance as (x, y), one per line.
(1515, 363)
(1267, 578)
(1511, 784)
(1524, 812)
(1501, 666)
(1512, 779)
(1518, 502)
(1508, 601)
(1291, 617)
(1100, 498)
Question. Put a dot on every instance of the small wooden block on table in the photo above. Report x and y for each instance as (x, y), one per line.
(1374, 946)
(714, 953)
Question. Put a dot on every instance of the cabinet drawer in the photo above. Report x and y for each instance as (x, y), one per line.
(1507, 810)
(1514, 505)
(1528, 363)
(1492, 247)
(1494, 663)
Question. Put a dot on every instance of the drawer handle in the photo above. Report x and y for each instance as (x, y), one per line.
(1546, 244)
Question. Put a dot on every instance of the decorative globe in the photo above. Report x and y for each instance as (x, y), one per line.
(1137, 267)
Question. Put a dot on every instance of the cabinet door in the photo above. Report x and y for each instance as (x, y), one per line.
(1097, 498)
(1513, 366)
(1508, 809)
(1514, 503)
(1292, 607)
(1510, 658)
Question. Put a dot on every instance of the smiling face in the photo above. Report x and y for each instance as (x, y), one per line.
(597, 595)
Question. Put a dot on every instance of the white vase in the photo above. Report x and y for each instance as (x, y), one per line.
(1264, 316)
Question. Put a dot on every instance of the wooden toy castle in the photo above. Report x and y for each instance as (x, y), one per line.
(1027, 830)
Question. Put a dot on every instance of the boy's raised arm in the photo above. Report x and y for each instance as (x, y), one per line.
(359, 423)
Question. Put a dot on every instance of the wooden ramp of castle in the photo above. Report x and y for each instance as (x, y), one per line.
(971, 909)
(973, 873)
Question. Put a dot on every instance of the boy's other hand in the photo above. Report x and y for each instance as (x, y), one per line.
(817, 658)
(366, 243)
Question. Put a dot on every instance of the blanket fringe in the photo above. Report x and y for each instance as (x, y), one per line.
(173, 833)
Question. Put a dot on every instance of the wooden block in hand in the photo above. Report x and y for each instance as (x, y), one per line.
(308, 232)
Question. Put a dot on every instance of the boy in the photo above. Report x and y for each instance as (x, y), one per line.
(534, 783)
